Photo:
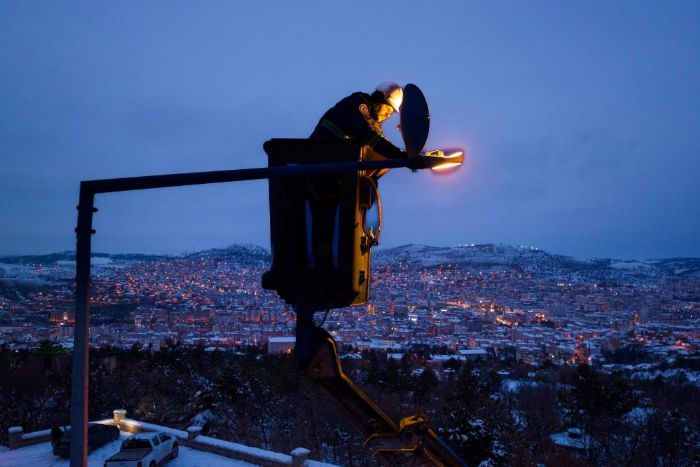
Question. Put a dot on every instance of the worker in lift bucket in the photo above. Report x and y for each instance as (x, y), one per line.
(357, 117)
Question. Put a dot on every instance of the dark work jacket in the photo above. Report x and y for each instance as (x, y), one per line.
(355, 118)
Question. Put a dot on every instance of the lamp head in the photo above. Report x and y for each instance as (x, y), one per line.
(441, 160)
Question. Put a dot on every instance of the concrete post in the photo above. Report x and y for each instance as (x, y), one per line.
(14, 433)
(193, 432)
(299, 456)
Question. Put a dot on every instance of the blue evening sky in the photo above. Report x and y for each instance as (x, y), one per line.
(581, 120)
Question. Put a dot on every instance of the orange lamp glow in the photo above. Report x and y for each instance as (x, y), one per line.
(442, 161)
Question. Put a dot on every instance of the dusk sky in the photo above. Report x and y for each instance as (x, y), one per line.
(580, 120)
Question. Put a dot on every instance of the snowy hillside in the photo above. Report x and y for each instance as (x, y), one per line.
(245, 253)
(488, 256)
(30, 272)
(18, 279)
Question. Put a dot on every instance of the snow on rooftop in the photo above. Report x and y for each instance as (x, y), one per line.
(283, 340)
(442, 358)
(573, 438)
(474, 351)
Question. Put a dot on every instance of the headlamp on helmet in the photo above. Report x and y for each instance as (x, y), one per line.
(392, 93)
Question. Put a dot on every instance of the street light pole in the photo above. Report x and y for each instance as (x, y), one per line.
(81, 337)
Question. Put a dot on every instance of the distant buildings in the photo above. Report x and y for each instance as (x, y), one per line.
(281, 344)
(470, 313)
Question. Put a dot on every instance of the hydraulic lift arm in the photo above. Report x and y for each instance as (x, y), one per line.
(411, 435)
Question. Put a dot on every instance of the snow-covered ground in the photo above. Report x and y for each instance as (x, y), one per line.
(693, 377)
(41, 455)
(37, 276)
(514, 385)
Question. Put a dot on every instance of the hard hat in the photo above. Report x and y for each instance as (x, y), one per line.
(392, 92)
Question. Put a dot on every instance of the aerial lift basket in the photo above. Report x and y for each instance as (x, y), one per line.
(300, 208)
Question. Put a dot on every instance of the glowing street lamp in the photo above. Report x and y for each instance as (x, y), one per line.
(444, 160)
